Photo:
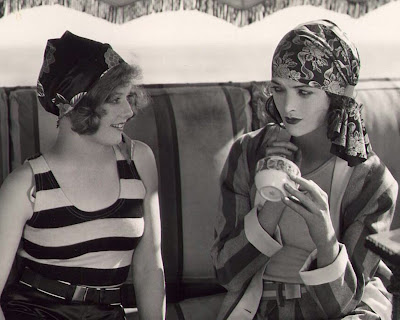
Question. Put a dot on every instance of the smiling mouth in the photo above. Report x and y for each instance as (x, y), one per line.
(292, 120)
(119, 126)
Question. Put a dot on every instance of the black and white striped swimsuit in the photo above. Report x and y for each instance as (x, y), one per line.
(65, 243)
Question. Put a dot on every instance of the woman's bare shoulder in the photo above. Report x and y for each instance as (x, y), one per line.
(20, 178)
(144, 160)
(142, 151)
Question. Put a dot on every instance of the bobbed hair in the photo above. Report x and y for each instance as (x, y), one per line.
(85, 117)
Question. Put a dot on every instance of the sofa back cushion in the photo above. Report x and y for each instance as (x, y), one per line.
(381, 113)
(190, 129)
(4, 134)
(32, 129)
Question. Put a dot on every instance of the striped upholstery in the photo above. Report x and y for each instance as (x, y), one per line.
(26, 117)
(381, 113)
(62, 242)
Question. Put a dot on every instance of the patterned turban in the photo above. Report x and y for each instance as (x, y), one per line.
(71, 66)
(320, 55)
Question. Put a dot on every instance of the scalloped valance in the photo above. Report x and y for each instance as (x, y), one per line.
(237, 12)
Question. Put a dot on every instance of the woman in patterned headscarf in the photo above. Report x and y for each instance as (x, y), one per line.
(304, 256)
(87, 209)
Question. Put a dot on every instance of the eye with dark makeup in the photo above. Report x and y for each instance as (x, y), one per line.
(304, 93)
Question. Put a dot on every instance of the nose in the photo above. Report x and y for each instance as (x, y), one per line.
(289, 102)
(127, 110)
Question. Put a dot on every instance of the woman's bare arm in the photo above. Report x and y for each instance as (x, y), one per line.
(148, 271)
(15, 209)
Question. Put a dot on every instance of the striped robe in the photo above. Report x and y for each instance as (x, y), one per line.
(65, 243)
(367, 207)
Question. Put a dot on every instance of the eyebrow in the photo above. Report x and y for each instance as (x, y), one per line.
(114, 93)
(117, 93)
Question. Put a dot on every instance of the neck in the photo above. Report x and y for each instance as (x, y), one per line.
(77, 148)
(315, 149)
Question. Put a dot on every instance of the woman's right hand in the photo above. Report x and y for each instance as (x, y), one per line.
(284, 148)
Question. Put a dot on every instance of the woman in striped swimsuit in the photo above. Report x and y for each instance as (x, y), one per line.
(304, 256)
(86, 209)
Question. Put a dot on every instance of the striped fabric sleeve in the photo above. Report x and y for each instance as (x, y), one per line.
(313, 277)
(368, 207)
(235, 258)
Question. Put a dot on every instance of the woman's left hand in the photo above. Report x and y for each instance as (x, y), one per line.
(311, 202)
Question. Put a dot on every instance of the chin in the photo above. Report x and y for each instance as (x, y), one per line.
(303, 132)
(111, 141)
(295, 133)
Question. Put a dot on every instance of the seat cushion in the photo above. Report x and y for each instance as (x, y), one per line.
(200, 308)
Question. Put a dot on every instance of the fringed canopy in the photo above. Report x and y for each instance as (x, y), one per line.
(237, 12)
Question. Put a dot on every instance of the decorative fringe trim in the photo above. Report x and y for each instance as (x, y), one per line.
(97, 8)
(354, 8)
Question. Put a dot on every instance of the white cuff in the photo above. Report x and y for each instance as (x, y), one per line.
(326, 274)
(258, 237)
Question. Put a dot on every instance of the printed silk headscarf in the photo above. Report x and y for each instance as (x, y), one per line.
(71, 66)
(320, 55)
